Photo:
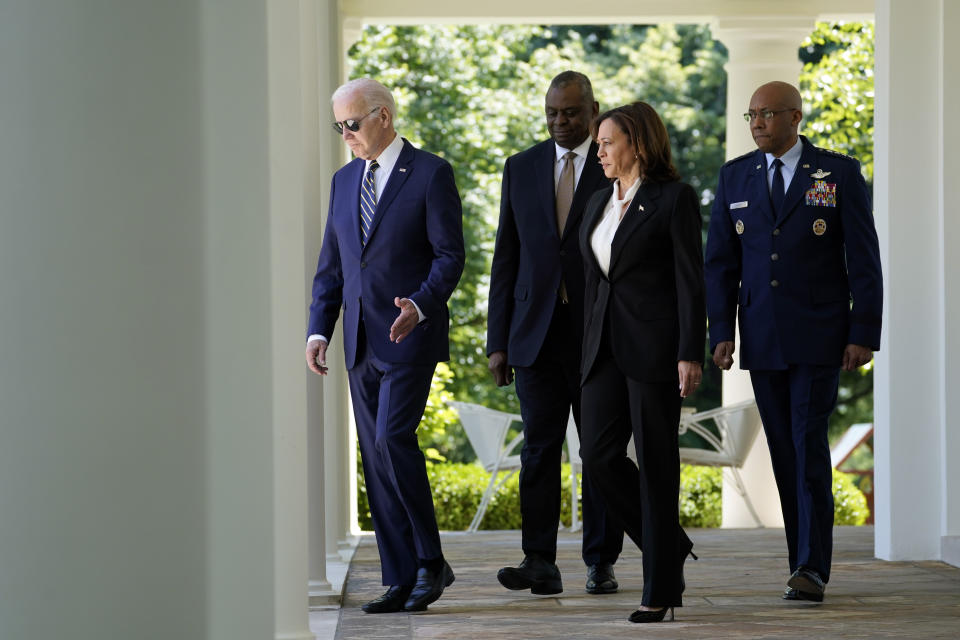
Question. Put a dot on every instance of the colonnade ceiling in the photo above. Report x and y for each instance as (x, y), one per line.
(609, 12)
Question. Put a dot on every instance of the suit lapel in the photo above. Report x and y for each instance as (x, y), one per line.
(357, 166)
(590, 220)
(641, 209)
(801, 181)
(545, 184)
(591, 180)
(401, 172)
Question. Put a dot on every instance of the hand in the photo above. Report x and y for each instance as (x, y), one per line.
(690, 374)
(723, 354)
(317, 356)
(406, 321)
(855, 356)
(502, 373)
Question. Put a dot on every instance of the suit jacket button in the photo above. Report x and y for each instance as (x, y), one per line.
(774, 283)
(776, 232)
(775, 256)
(563, 252)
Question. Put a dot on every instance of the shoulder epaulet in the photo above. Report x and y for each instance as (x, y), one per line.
(739, 158)
(836, 154)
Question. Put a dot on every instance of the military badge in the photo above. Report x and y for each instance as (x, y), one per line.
(819, 227)
(822, 193)
(820, 174)
(739, 227)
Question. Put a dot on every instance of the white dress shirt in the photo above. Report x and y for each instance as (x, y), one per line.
(602, 237)
(581, 150)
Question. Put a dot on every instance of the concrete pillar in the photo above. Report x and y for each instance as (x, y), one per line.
(328, 397)
(103, 368)
(916, 441)
(950, 287)
(760, 50)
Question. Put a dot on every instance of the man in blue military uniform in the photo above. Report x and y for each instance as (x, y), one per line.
(791, 243)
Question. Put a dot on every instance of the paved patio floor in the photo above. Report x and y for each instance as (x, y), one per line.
(733, 591)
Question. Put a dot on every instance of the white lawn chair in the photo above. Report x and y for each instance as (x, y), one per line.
(576, 466)
(738, 426)
(487, 431)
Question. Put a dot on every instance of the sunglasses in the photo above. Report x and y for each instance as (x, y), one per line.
(352, 125)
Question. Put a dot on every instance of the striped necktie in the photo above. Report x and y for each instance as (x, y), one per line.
(368, 201)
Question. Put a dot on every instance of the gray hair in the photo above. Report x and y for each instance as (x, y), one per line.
(574, 77)
(371, 92)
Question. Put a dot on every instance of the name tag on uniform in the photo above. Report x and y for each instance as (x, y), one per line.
(738, 205)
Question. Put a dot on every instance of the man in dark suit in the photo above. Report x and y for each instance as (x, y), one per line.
(535, 317)
(391, 256)
(791, 243)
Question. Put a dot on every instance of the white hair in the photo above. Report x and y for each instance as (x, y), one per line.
(370, 91)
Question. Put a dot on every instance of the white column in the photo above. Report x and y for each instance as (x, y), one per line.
(328, 404)
(760, 50)
(910, 397)
(103, 448)
(292, 80)
(950, 288)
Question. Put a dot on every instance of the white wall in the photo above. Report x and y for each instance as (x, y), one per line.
(102, 360)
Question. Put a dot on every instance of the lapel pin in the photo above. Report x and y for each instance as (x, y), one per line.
(640, 206)
(806, 166)
(402, 170)
(820, 174)
(759, 166)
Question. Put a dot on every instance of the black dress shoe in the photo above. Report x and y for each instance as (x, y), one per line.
(600, 579)
(390, 602)
(790, 594)
(808, 583)
(534, 573)
(429, 587)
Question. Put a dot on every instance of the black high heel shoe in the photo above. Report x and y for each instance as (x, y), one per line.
(651, 615)
(683, 582)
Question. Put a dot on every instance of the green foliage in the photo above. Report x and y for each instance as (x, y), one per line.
(440, 435)
(458, 488)
(701, 497)
(837, 89)
(849, 503)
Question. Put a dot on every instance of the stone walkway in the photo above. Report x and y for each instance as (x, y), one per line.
(733, 591)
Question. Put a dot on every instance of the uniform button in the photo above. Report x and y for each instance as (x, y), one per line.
(563, 252)
(774, 283)
(774, 256)
(363, 265)
(776, 232)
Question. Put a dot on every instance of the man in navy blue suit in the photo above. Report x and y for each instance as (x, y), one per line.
(792, 245)
(535, 328)
(391, 256)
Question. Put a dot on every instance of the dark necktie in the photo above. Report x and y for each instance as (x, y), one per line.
(368, 201)
(777, 189)
(566, 185)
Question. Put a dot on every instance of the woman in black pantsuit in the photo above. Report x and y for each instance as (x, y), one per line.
(643, 340)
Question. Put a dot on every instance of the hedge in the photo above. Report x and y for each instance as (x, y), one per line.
(458, 488)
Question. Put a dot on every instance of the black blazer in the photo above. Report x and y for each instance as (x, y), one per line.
(652, 302)
(530, 258)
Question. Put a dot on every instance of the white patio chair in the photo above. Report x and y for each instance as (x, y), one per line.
(487, 431)
(738, 426)
(852, 438)
(576, 466)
